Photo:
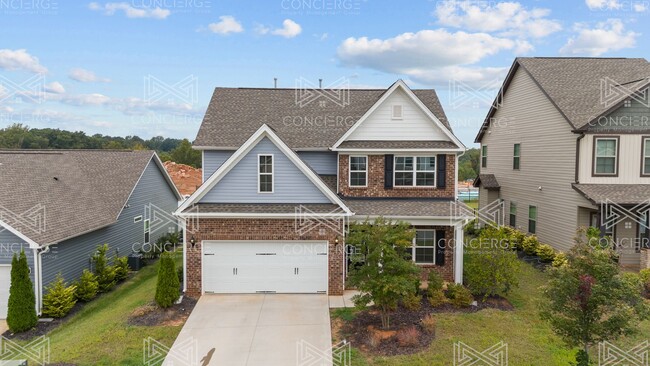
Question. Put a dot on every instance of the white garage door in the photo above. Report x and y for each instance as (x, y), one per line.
(5, 283)
(264, 266)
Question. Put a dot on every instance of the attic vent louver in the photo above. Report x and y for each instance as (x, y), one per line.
(397, 111)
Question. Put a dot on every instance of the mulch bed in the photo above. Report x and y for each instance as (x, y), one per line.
(153, 315)
(358, 331)
(43, 327)
(533, 260)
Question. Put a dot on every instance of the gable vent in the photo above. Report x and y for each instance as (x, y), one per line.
(398, 111)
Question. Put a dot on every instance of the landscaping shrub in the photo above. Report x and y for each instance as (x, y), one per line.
(21, 312)
(87, 286)
(168, 286)
(59, 299)
(408, 337)
(491, 271)
(435, 282)
(412, 302)
(459, 295)
(530, 245)
(516, 239)
(104, 272)
(437, 298)
(560, 260)
(546, 253)
(121, 267)
(644, 274)
(472, 229)
(179, 272)
(429, 323)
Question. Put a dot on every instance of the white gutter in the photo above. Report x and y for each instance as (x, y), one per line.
(184, 225)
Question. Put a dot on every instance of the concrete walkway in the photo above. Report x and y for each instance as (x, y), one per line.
(255, 329)
(345, 301)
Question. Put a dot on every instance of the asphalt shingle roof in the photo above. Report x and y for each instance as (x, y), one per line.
(622, 194)
(400, 207)
(378, 144)
(488, 181)
(71, 191)
(234, 114)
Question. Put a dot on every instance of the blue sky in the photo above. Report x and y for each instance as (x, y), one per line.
(148, 67)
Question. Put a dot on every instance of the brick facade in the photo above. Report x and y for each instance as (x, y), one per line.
(446, 271)
(259, 229)
(375, 182)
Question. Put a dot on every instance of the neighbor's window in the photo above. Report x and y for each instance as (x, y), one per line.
(137, 219)
(424, 248)
(516, 157)
(398, 111)
(646, 156)
(605, 159)
(358, 171)
(415, 171)
(147, 232)
(265, 176)
(532, 219)
(513, 214)
(484, 156)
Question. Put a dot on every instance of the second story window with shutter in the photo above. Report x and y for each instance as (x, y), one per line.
(417, 171)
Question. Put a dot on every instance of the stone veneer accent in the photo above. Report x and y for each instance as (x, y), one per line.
(645, 258)
(376, 187)
(259, 229)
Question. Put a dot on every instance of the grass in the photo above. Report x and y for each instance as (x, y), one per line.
(530, 341)
(472, 203)
(99, 333)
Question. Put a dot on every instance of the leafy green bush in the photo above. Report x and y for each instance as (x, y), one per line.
(491, 271)
(546, 253)
(104, 272)
(459, 295)
(412, 302)
(437, 298)
(59, 299)
(87, 286)
(179, 272)
(472, 229)
(168, 286)
(435, 282)
(121, 268)
(21, 312)
(560, 260)
(530, 245)
(516, 239)
(644, 275)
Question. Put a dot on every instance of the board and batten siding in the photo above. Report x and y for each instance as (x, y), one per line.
(629, 160)
(415, 124)
(548, 154)
(11, 244)
(240, 184)
(72, 256)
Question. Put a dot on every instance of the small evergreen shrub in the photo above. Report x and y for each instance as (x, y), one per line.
(168, 286)
(546, 253)
(104, 272)
(530, 245)
(179, 272)
(560, 260)
(459, 295)
(59, 299)
(517, 239)
(412, 302)
(644, 274)
(87, 286)
(21, 312)
(121, 268)
(435, 282)
(437, 298)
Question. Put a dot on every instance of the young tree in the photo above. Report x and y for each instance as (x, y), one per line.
(588, 300)
(383, 275)
(105, 273)
(21, 314)
(168, 285)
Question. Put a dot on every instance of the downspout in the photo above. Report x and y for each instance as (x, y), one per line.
(456, 172)
(38, 275)
(577, 179)
(184, 225)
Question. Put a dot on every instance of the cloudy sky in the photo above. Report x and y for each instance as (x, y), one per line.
(148, 67)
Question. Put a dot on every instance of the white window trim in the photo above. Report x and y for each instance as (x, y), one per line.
(146, 229)
(137, 219)
(646, 141)
(357, 171)
(415, 170)
(435, 252)
(596, 156)
(534, 220)
(272, 174)
(392, 112)
(516, 156)
(484, 155)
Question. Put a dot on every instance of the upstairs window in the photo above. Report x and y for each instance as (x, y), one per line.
(398, 111)
(645, 158)
(147, 231)
(265, 173)
(358, 171)
(532, 219)
(484, 156)
(415, 171)
(513, 214)
(516, 156)
(605, 156)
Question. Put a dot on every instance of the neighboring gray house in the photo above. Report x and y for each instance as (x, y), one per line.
(566, 145)
(59, 205)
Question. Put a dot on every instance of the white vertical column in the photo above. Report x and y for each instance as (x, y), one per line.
(458, 253)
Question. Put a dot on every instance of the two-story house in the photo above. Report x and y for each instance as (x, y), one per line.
(566, 144)
(286, 170)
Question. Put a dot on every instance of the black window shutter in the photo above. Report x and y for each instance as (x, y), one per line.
(441, 245)
(441, 176)
(388, 171)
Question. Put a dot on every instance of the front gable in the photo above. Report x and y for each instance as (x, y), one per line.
(630, 115)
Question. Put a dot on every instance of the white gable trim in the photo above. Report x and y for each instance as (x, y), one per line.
(401, 85)
(32, 244)
(262, 132)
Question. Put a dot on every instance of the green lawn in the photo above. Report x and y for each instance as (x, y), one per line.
(530, 341)
(99, 334)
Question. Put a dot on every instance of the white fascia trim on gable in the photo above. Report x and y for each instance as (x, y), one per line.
(252, 215)
(263, 131)
(32, 244)
(383, 151)
(399, 84)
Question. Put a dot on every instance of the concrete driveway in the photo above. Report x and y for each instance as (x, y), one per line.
(254, 330)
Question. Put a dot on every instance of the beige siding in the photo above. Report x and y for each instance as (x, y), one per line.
(547, 161)
(629, 161)
(626, 238)
(415, 125)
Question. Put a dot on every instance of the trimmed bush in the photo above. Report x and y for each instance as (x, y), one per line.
(87, 286)
(437, 298)
(530, 245)
(546, 253)
(644, 275)
(121, 268)
(21, 312)
(491, 271)
(517, 239)
(168, 286)
(104, 272)
(60, 298)
(435, 282)
(412, 302)
(459, 295)
(560, 260)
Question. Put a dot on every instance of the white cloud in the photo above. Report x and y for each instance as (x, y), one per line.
(605, 37)
(55, 88)
(85, 99)
(130, 11)
(507, 18)
(86, 76)
(20, 60)
(486, 78)
(289, 29)
(227, 24)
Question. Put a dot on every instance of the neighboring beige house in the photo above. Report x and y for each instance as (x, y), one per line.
(566, 144)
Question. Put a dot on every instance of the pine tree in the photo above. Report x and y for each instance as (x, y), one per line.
(168, 286)
(21, 314)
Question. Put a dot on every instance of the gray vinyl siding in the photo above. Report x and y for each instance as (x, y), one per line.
(212, 160)
(239, 185)
(10, 244)
(548, 155)
(636, 117)
(72, 256)
(324, 163)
